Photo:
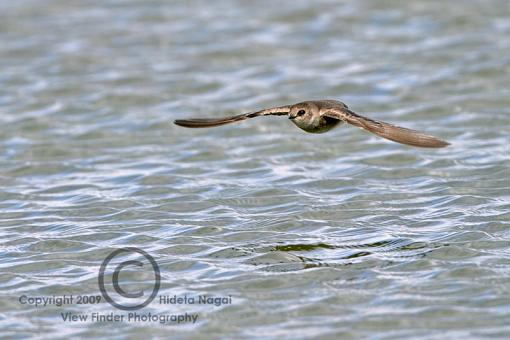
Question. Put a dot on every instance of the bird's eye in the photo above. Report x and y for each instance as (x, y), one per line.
(301, 112)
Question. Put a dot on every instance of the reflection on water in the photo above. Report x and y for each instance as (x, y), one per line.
(339, 234)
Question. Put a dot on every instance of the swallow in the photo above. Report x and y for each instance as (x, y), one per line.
(319, 116)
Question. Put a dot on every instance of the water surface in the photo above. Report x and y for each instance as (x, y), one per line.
(340, 234)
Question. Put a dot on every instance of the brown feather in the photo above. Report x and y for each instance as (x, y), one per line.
(389, 131)
(208, 122)
(211, 122)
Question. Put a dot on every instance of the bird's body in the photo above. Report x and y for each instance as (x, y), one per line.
(319, 116)
(319, 125)
(312, 122)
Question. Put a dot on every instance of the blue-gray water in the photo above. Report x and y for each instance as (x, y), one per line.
(340, 234)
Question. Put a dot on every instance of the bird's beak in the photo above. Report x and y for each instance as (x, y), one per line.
(292, 117)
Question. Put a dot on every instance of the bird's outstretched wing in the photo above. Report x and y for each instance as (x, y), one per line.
(386, 130)
(211, 122)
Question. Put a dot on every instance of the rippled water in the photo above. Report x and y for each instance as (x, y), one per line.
(340, 234)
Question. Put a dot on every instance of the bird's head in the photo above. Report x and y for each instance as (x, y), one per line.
(301, 113)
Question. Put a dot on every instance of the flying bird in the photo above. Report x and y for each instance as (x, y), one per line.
(319, 116)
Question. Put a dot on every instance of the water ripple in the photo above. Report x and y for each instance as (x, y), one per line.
(334, 235)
